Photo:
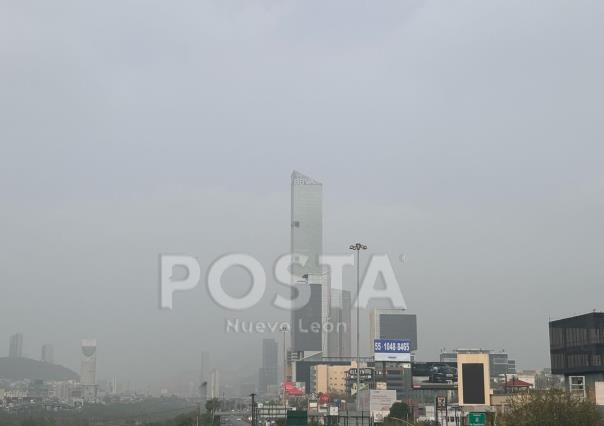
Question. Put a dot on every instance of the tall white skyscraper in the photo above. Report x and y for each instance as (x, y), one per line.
(15, 347)
(307, 241)
(214, 384)
(88, 365)
(306, 222)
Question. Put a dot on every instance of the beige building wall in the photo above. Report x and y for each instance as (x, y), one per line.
(330, 378)
(319, 377)
(473, 358)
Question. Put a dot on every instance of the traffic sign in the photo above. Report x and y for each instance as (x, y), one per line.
(441, 402)
(476, 418)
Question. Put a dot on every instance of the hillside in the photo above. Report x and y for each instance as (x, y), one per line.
(25, 368)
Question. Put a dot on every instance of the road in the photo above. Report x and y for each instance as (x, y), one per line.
(233, 420)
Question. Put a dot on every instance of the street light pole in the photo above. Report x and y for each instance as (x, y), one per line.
(284, 330)
(358, 247)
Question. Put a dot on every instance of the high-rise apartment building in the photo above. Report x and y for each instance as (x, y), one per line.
(15, 347)
(88, 364)
(269, 372)
(270, 353)
(214, 384)
(307, 242)
(339, 335)
(48, 354)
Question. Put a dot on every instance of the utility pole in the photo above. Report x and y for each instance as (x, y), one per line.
(253, 395)
(358, 247)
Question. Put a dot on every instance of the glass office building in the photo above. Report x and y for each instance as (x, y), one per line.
(577, 344)
(307, 240)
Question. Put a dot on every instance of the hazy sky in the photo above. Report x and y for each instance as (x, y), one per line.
(467, 135)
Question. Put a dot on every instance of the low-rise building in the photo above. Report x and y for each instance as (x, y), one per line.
(577, 352)
(329, 378)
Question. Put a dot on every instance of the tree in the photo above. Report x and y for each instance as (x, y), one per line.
(399, 410)
(553, 407)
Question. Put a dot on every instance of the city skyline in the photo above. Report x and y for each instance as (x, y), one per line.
(463, 140)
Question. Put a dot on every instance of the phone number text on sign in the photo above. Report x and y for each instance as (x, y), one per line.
(392, 350)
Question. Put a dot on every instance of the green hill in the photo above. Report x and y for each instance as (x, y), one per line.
(25, 368)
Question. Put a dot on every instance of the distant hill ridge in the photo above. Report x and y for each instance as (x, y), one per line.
(25, 368)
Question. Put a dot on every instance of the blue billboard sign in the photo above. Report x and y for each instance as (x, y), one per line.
(392, 350)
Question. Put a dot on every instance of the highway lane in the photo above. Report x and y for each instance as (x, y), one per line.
(234, 420)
